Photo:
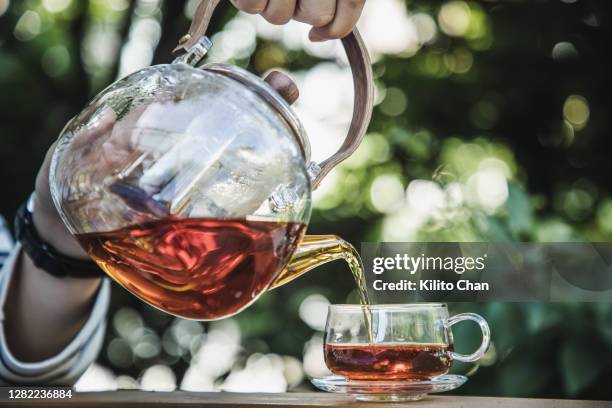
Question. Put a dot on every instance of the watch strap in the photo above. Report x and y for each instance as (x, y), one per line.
(45, 256)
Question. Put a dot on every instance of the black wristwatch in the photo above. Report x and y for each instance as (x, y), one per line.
(44, 255)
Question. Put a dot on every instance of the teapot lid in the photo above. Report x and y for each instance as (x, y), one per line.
(264, 90)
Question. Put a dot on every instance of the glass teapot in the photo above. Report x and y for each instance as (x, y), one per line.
(190, 185)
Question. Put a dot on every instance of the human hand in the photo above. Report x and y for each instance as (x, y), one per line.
(47, 220)
(330, 18)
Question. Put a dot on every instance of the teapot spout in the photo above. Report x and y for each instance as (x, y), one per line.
(316, 250)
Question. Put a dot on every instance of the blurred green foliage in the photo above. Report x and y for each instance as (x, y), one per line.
(517, 90)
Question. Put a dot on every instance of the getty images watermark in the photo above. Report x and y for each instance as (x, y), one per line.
(481, 271)
(413, 264)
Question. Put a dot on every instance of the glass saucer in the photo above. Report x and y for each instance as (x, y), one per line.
(389, 390)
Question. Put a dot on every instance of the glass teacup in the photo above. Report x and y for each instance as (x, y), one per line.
(395, 341)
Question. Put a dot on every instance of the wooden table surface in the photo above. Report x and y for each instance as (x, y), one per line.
(129, 399)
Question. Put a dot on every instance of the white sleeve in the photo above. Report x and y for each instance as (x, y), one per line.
(67, 366)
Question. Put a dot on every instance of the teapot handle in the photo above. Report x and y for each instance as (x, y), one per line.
(363, 83)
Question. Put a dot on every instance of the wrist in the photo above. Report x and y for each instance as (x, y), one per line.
(52, 230)
(44, 254)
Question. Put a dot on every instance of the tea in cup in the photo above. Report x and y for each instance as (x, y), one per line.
(395, 341)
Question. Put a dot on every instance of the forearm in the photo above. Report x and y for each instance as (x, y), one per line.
(43, 313)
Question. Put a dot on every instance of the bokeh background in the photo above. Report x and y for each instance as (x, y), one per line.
(491, 123)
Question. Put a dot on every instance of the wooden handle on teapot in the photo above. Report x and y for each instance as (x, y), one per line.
(363, 83)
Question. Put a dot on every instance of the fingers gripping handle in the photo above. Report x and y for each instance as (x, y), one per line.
(361, 68)
(486, 336)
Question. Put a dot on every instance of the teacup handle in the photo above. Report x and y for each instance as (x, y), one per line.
(486, 335)
(363, 84)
